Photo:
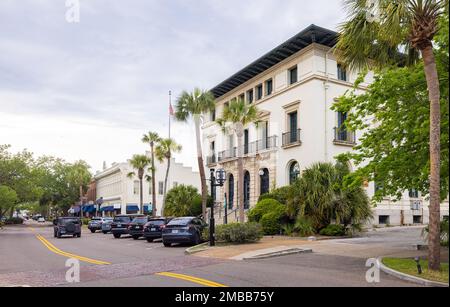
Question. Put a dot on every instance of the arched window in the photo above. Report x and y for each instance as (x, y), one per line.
(231, 191)
(294, 172)
(246, 190)
(264, 181)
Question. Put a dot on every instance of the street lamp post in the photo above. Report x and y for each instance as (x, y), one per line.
(217, 179)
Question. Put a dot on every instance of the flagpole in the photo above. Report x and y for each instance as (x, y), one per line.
(170, 106)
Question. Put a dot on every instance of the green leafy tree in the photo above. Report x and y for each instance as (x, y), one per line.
(164, 151)
(153, 139)
(194, 105)
(141, 164)
(367, 43)
(8, 198)
(182, 201)
(236, 116)
(79, 176)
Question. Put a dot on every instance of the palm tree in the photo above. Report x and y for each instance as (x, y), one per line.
(366, 43)
(235, 117)
(153, 139)
(194, 105)
(79, 174)
(140, 163)
(164, 151)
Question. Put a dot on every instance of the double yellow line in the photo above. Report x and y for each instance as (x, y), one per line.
(57, 251)
(192, 279)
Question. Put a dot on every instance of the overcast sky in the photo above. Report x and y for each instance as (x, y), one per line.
(89, 90)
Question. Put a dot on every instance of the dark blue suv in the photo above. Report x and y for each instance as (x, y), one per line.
(183, 230)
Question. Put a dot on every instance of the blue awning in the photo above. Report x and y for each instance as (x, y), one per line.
(89, 209)
(132, 208)
(107, 209)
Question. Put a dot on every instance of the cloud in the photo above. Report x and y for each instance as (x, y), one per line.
(104, 81)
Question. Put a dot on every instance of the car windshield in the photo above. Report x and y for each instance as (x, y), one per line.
(180, 222)
(157, 222)
(67, 221)
(122, 219)
(140, 220)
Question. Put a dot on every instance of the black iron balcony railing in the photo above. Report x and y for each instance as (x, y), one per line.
(261, 145)
(227, 154)
(344, 136)
(211, 160)
(292, 138)
(249, 148)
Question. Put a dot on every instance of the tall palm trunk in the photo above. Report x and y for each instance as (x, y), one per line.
(141, 196)
(81, 201)
(165, 186)
(434, 252)
(153, 181)
(240, 135)
(201, 166)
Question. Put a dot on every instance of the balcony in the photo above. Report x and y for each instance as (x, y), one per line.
(227, 154)
(261, 145)
(416, 205)
(253, 148)
(292, 138)
(342, 136)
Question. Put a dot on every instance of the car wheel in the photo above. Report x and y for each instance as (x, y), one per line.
(93, 230)
(167, 244)
(149, 240)
(135, 237)
(117, 236)
(54, 234)
(58, 235)
(79, 235)
(105, 232)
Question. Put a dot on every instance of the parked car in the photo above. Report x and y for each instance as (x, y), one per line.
(183, 230)
(136, 227)
(106, 225)
(154, 228)
(120, 224)
(96, 223)
(67, 226)
(41, 220)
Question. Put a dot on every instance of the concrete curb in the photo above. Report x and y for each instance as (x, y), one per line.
(292, 251)
(410, 278)
(197, 248)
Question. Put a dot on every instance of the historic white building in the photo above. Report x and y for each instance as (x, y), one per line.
(120, 194)
(294, 87)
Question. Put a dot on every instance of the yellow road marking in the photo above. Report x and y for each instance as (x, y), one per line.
(193, 279)
(57, 251)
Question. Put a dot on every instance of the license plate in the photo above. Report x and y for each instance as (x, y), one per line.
(63, 231)
(137, 227)
(174, 231)
(153, 229)
(119, 225)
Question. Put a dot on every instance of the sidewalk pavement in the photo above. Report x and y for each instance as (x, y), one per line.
(265, 246)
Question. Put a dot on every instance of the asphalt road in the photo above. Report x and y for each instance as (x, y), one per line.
(26, 260)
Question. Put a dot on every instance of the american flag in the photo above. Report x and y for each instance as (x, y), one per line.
(171, 112)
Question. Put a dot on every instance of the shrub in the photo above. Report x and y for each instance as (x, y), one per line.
(281, 195)
(14, 221)
(85, 221)
(333, 231)
(304, 226)
(271, 223)
(238, 233)
(263, 207)
(183, 201)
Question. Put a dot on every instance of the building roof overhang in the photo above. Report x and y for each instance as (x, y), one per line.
(310, 35)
